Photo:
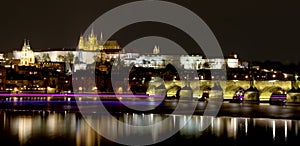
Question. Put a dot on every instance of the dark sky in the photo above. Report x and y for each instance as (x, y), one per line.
(255, 29)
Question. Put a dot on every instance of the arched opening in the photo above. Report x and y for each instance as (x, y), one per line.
(173, 92)
(230, 91)
(278, 97)
(238, 95)
(151, 90)
(267, 92)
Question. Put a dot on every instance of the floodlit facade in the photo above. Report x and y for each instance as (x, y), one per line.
(93, 49)
(26, 55)
(92, 43)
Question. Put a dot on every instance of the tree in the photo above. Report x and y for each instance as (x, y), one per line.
(60, 58)
(46, 58)
(37, 58)
(69, 57)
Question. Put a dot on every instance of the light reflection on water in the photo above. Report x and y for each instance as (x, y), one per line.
(34, 128)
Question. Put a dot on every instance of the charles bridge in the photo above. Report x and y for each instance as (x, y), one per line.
(265, 88)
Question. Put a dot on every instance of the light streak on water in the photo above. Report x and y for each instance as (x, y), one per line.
(274, 129)
(234, 127)
(246, 126)
(285, 130)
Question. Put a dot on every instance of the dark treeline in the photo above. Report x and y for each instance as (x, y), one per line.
(277, 66)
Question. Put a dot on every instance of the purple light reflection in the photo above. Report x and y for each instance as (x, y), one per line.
(91, 102)
(278, 96)
(82, 94)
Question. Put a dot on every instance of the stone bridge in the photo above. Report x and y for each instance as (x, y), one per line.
(266, 88)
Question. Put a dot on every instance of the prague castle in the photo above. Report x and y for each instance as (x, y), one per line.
(93, 44)
(86, 53)
(92, 48)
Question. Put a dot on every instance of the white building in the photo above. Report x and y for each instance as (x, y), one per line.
(26, 55)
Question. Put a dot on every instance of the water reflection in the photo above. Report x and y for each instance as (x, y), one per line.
(64, 128)
(34, 128)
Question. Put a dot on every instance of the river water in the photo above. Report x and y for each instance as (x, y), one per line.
(71, 128)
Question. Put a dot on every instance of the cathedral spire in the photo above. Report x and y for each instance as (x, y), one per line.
(25, 42)
(81, 42)
(28, 45)
(92, 31)
(156, 49)
(101, 37)
(24, 45)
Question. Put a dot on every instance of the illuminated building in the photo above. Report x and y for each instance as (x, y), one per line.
(93, 49)
(26, 55)
(93, 44)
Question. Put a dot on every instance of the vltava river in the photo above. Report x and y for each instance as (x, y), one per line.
(43, 128)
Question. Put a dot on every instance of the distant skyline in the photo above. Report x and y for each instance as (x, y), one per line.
(256, 30)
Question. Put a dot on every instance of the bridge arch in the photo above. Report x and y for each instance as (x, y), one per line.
(151, 90)
(173, 91)
(231, 90)
(266, 92)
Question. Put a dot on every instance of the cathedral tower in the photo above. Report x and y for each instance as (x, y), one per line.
(27, 55)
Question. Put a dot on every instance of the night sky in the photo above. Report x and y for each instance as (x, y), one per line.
(258, 30)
